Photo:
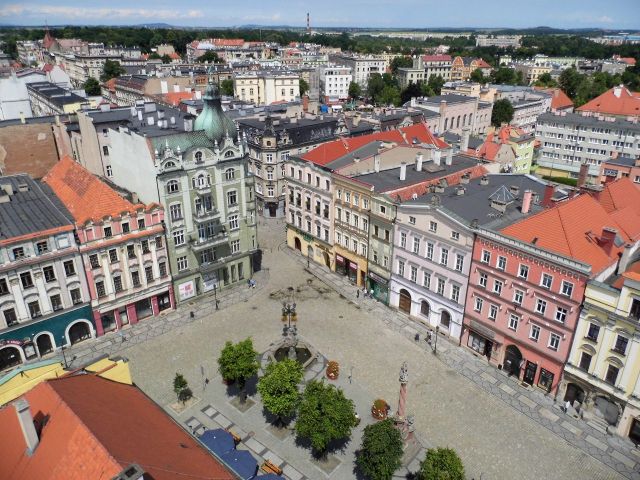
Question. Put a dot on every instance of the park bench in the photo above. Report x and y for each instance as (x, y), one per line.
(236, 437)
(269, 467)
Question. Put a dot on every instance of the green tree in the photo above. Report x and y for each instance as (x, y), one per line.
(238, 363)
(354, 90)
(181, 388)
(209, 56)
(226, 87)
(381, 451)
(375, 85)
(504, 76)
(502, 112)
(111, 69)
(441, 464)
(166, 58)
(412, 90)
(154, 56)
(324, 415)
(390, 95)
(91, 87)
(570, 81)
(401, 62)
(545, 80)
(279, 388)
(304, 86)
(435, 83)
(478, 76)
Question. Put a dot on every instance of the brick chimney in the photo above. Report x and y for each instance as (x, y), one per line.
(547, 201)
(27, 426)
(583, 175)
(526, 201)
(607, 239)
(305, 103)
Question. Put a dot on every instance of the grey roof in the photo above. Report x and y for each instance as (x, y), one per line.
(475, 204)
(573, 119)
(475, 142)
(387, 180)
(65, 118)
(55, 94)
(128, 117)
(304, 130)
(449, 98)
(623, 161)
(35, 210)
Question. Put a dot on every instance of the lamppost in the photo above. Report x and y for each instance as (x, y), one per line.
(215, 294)
(435, 345)
(64, 357)
(289, 310)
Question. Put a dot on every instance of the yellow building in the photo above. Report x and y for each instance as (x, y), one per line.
(602, 376)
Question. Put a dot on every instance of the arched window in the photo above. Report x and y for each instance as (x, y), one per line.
(464, 119)
(228, 154)
(198, 157)
(201, 181)
(229, 174)
(173, 186)
(458, 122)
(169, 165)
(446, 123)
(424, 308)
(445, 319)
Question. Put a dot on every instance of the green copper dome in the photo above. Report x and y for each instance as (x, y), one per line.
(212, 119)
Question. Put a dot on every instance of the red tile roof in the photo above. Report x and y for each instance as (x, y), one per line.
(619, 195)
(228, 42)
(480, 63)
(328, 152)
(436, 58)
(94, 429)
(616, 101)
(174, 98)
(406, 193)
(559, 99)
(84, 195)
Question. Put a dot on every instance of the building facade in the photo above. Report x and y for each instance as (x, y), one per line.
(335, 81)
(361, 66)
(382, 218)
(267, 86)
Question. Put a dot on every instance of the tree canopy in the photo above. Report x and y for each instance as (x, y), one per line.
(111, 69)
(478, 76)
(324, 415)
(354, 90)
(441, 464)
(502, 112)
(226, 87)
(401, 62)
(238, 362)
(279, 387)
(91, 87)
(381, 451)
(304, 86)
(209, 57)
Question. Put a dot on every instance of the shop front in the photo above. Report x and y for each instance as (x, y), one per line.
(347, 267)
(481, 339)
(379, 286)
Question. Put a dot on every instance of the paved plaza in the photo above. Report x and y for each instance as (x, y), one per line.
(500, 429)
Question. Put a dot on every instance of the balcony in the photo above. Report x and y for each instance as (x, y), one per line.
(202, 215)
(200, 243)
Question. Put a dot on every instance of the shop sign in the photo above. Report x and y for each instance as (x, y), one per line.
(187, 290)
(378, 278)
(307, 237)
(482, 330)
(11, 342)
(209, 281)
(339, 258)
(352, 265)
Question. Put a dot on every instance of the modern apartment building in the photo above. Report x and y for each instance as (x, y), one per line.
(335, 81)
(457, 112)
(362, 66)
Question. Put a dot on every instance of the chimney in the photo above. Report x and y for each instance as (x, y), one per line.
(464, 141)
(548, 195)
(403, 171)
(376, 163)
(133, 111)
(150, 121)
(607, 239)
(23, 120)
(484, 180)
(419, 162)
(526, 201)
(625, 258)
(188, 124)
(173, 121)
(515, 190)
(160, 114)
(26, 423)
(140, 115)
(437, 154)
(460, 190)
(305, 103)
(617, 91)
(449, 158)
(584, 174)
(464, 179)
(443, 107)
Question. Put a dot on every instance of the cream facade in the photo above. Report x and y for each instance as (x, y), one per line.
(265, 87)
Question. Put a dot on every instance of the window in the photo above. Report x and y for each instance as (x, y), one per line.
(424, 308)
(592, 333)
(459, 262)
(125, 227)
(502, 263)
(455, 236)
(42, 247)
(612, 374)
(141, 222)
(347, 197)
(113, 255)
(493, 312)
(117, 283)
(4, 288)
(482, 280)
(541, 306)
(426, 280)
(523, 271)
(401, 268)
(100, 290)
(135, 279)
(69, 268)
(232, 198)
(56, 302)
(534, 333)
(26, 280)
(440, 289)
(444, 256)
(567, 288)
(513, 321)
(148, 274)
(455, 293)
(107, 232)
(175, 211)
(145, 246)
(235, 246)
(518, 296)
(486, 256)
(34, 309)
(76, 297)
(230, 173)
(416, 245)
(478, 304)
(105, 150)
(433, 226)
(49, 274)
(561, 314)
(109, 171)
(621, 345)
(158, 242)
(403, 239)
(233, 222)
(383, 209)
(497, 287)
(546, 281)
(178, 237)
(554, 341)
(585, 361)
(10, 317)
(173, 186)
(414, 274)
(412, 220)
(182, 263)
(18, 253)
(162, 267)
(429, 251)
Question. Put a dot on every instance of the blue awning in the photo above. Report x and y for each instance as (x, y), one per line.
(242, 463)
(219, 441)
(269, 476)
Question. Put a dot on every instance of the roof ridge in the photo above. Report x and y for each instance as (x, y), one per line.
(564, 230)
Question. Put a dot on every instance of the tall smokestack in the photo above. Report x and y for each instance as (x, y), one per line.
(308, 24)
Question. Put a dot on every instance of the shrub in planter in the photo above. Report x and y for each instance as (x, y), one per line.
(333, 370)
(380, 409)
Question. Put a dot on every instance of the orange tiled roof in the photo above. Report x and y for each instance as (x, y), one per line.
(84, 195)
(619, 195)
(174, 98)
(228, 42)
(95, 428)
(559, 99)
(625, 103)
(174, 56)
(480, 63)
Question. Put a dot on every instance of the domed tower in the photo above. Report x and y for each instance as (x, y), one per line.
(212, 119)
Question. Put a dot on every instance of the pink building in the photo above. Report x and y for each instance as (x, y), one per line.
(122, 245)
(527, 281)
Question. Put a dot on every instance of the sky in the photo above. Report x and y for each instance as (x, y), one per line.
(608, 14)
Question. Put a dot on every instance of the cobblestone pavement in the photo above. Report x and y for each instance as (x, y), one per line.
(458, 400)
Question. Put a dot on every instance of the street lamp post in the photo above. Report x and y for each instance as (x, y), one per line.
(64, 357)
(435, 346)
(215, 294)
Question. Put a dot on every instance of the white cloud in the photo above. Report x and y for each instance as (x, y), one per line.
(605, 19)
(95, 13)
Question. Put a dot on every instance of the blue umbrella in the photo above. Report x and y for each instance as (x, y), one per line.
(219, 441)
(241, 462)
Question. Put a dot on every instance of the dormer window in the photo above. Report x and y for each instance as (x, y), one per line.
(169, 165)
(228, 154)
(198, 157)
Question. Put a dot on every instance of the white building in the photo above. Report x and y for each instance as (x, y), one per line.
(267, 86)
(334, 81)
(361, 66)
(14, 98)
(500, 41)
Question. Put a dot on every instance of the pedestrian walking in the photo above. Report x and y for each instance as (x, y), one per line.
(217, 304)
(357, 293)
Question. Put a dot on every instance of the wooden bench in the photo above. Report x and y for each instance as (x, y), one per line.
(236, 437)
(269, 467)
